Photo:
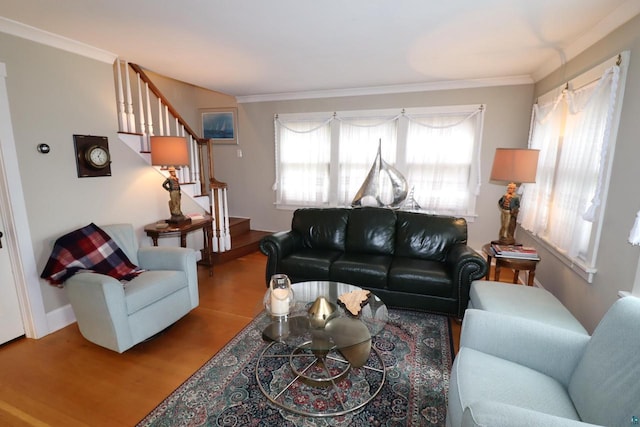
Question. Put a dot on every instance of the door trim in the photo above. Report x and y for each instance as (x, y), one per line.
(18, 236)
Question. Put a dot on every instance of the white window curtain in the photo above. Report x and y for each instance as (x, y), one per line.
(303, 151)
(358, 147)
(322, 159)
(440, 154)
(565, 200)
(545, 136)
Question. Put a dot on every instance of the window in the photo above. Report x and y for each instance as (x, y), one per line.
(575, 132)
(322, 159)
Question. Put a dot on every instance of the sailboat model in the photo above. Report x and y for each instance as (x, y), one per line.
(371, 185)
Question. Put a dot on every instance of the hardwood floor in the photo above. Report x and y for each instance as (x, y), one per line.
(64, 380)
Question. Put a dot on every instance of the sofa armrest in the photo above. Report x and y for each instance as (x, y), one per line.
(495, 414)
(545, 348)
(464, 266)
(277, 246)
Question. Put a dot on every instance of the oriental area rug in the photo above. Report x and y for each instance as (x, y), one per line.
(417, 352)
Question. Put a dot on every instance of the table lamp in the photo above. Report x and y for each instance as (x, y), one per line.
(514, 166)
(171, 152)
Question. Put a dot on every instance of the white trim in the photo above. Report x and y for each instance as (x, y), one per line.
(37, 35)
(61, 317)
(23, 260)
(391, 89)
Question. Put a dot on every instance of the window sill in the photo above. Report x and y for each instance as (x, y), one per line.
(577, 266)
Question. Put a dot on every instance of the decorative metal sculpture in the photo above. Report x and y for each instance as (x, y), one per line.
(371, 185)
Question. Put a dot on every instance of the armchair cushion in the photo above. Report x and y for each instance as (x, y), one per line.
(486, 413)
(486, 376)
(87, 249)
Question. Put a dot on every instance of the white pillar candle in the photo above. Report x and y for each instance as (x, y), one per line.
(280, 302)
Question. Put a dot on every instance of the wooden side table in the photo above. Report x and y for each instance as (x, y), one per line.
(516, 264)
(205, 224)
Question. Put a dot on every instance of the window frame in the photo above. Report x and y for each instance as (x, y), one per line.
(403, 115)
(586, 266)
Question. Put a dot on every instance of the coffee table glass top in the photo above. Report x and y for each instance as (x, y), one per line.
(339, 330)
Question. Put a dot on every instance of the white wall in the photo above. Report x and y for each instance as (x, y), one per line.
(54, 94)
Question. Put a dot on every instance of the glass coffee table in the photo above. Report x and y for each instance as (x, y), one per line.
(320, 361)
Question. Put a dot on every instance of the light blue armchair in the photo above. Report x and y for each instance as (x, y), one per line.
(118, 317)
(514, 371)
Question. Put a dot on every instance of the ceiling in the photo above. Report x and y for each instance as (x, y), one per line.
(258, 48)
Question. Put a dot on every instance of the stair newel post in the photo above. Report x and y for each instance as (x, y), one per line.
(144, 141)
(131, 118)
(122, 116)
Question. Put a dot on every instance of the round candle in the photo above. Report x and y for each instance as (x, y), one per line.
(280, 302)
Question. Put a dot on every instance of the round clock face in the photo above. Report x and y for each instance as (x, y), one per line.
(97, 156)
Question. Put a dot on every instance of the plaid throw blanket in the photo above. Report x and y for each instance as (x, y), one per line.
(87, 249)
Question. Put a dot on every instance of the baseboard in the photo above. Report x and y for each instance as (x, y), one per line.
(60, 318)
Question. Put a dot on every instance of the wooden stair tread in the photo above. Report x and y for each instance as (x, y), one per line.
(244, 240)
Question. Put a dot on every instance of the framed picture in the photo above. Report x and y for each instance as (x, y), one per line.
(220, 125)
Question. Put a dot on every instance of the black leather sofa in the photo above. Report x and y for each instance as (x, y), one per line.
(410, 260)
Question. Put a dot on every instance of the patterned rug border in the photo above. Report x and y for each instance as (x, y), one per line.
(178, 392)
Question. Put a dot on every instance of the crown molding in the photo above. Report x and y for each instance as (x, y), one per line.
(606, 26)
(390, 89)
(37, 35)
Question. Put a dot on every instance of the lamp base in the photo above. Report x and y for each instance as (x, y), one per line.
(178, 221)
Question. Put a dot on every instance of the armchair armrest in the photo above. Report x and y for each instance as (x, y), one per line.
(495, 414)
(547, 349)
(172, 258)
(166, 258)
(277, 246)
(98, 302)
(464, 265)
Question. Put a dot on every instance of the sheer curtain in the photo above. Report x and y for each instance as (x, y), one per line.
(358, 147)
(545, 136)
(303, 153)
(440, 155)
(563, 203)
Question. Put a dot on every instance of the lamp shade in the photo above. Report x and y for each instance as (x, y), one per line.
(169, 151)
(515, 165)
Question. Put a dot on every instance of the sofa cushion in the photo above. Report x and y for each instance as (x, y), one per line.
(309, 263)
(477, 376)
(418, 276)
(428, 236)
(152, 286)
(360, 269)
(371, 230)
(321, 228)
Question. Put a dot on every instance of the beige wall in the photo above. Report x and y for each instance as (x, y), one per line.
(617, 259)
(53, 95)
(251, 177)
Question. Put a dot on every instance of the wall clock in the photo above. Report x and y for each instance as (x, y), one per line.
(92, 155)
